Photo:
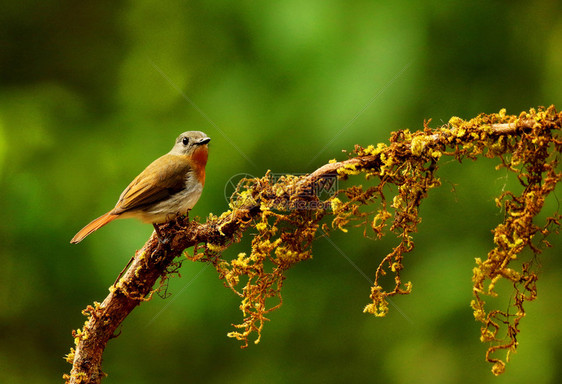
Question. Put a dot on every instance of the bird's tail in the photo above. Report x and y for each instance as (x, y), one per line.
(93, 226)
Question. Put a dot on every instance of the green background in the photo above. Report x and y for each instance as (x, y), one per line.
(92, 92)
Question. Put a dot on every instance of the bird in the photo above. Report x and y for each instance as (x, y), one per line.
(170, 186)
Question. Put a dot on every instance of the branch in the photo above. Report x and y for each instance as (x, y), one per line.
(158, 259)
(149, 264)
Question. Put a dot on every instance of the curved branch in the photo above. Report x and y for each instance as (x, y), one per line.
(155, 258)
(149, 264)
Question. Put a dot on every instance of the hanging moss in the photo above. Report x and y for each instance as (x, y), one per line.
(287, 220)
(286, 214)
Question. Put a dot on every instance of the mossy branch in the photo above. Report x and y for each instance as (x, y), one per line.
(286, 215)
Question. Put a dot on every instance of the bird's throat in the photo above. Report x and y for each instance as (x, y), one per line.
(199, 157)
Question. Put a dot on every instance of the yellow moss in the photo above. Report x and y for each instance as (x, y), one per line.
(485, 130)
(455, 121)
(266, 206)
(286, 255)
(335, 204)
(370, 150)
(498, 368)
(244, 199)
(492, 285)
(479, 314)
(380, 218)
(408, 288)
(460, 132)
(379, 309)
(407, 164)
(261, 227)
(348, 169)
(215, 247)
(70, 356)
(78, 336)
(241, 261)
(223, 215)
(418, 144)
(487, 336)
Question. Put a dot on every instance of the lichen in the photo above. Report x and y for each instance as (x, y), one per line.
(284, 234)
(287, 215)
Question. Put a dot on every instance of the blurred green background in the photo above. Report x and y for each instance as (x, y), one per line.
(92, 92)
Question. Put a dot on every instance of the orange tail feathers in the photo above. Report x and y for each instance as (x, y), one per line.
(93, 226)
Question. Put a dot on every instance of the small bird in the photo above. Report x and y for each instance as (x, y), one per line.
(168, 187)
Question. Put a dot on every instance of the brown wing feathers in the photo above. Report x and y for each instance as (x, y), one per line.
(158, 181)
(162, 178)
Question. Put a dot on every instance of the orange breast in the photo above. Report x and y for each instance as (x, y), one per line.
(199, 159)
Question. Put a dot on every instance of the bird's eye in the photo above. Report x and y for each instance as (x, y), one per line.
(185, 141)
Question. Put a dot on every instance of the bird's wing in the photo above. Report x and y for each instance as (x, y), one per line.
(162, 178)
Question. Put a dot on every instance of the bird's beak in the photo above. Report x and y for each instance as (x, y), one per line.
(204, 141)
